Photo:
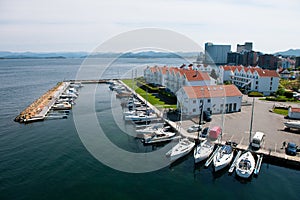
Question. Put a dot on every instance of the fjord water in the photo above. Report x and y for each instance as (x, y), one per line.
(47, 160)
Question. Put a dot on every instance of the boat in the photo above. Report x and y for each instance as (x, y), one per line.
(181, 149)
(223, 157)
(140, 118)
(292, 124)
(161, 135)
(245, 165)
(203, 150)
(152, 129)
(133, 112)
(62, 106)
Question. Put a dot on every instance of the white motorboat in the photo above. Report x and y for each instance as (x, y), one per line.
(223, 157)
(292, 124)
(203, 150)
(151, 129)
(245, 165)
(181, 149)
(161, 135)
(140, 118)
(133, 112)
(62, 106)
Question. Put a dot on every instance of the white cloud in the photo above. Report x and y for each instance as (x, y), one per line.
(80, 25)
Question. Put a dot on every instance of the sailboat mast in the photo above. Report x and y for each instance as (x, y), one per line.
(251, 122)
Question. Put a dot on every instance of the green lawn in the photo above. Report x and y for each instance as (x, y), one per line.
(149, 97)
(280, 111)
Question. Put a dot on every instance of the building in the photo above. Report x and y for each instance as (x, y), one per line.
(216, 53)
(297, 64)
(250, 58)
(284, 73)
(251, 78)
(244, 47)
(234, 58)
(215, 98)
(174, 78)
(294, 113)
(268, 61)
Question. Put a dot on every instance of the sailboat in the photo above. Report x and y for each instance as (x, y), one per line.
(205, 148)
(245, 165)
(181, 149)
(223, 157)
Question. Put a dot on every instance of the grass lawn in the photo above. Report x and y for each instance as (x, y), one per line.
(149, 97)
(280, 111)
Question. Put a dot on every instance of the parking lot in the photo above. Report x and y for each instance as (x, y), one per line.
(237, 125)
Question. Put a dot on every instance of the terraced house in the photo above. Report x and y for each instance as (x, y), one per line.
(174, 78)
(251, 78)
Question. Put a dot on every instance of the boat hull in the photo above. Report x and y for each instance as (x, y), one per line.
(243, 171)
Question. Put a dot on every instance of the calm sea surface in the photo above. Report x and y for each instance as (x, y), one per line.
(47, 160)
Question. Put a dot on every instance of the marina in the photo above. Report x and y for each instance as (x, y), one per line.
(47, 159)
(139, 113)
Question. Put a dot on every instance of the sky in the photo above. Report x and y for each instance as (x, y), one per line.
(82, 25)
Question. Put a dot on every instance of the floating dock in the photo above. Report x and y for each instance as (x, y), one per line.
(232, 167)
(258, 164)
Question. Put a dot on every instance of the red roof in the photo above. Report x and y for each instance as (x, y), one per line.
(193, 75)
(196, 92)
(295, 110)
(261, 72)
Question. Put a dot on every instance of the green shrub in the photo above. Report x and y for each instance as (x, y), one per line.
(255, 94)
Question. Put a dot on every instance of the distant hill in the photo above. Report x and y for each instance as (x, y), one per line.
(290, 52)
(145, 54)
(22, 55)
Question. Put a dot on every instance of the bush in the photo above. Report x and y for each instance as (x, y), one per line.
(288, 94)
(255, 94)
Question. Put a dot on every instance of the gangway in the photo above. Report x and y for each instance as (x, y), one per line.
(258, 164)
(234, 162)
(207, 163)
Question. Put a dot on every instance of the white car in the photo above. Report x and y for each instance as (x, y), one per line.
(194, 128)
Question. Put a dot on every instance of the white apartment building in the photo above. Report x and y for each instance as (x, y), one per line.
(174, 78)
(215, 98)
(251, 78)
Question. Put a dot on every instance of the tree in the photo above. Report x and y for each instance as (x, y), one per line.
(213, 74)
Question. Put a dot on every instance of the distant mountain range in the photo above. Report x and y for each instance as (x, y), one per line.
(146, 54)
(290, 52)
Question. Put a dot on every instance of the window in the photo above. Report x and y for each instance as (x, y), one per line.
(194, 101)
(194, 110)
(256, 82)
(208, 109)
(271, 78)
(208, 100)
(256, 87)
(270, 88)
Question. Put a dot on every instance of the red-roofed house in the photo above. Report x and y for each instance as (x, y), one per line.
(252, 78)
(294, 113)
(174, 78)
(216, 98)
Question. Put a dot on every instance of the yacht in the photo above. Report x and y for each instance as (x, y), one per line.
(203, 150)
(140, 118)
(223, 157)
(161, 135)
(245, 165)
(181, 149)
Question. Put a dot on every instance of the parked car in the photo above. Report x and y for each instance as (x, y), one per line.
(194, 128)
(207, 116)
(291, 149)
(205, 132)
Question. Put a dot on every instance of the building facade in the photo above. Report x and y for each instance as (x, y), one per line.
(216, 53)
(216, 99)
(244, 47)
(268, 61)
(174, 78)
(252, 78)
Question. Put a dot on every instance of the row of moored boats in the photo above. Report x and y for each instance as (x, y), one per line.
(221, 157)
